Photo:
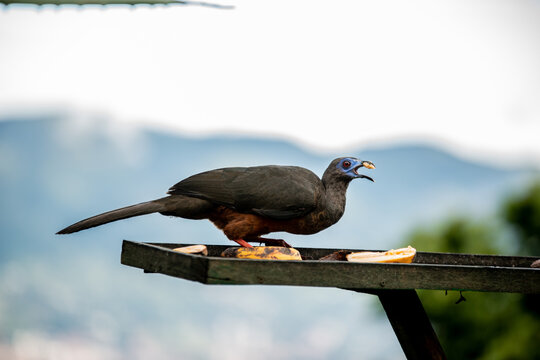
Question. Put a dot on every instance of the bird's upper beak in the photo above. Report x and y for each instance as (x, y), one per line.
(366, 164)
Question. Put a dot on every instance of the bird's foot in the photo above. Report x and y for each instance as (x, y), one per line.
(243, 243)
(273, 242)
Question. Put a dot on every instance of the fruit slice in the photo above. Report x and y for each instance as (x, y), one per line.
(368, 165)
(403, 255)
(263, 252)
(193, 249)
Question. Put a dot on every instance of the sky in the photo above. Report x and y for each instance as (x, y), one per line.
(330, 76)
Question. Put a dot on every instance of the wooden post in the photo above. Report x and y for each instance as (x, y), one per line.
(411, 324)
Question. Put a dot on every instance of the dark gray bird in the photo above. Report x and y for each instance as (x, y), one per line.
(247, 202)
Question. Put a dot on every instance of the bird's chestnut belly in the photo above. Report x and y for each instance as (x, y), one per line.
(238, 225)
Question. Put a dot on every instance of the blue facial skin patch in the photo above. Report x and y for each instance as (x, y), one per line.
(349, 170)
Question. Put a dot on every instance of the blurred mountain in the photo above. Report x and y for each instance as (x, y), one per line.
(56, 170)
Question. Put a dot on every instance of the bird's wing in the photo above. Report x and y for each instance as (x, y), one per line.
(279, 192)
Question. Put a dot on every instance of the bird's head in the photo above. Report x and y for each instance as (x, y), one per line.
(346, 168)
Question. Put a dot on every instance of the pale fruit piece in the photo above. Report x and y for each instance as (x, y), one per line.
(368, 165)
(193, 249)
(263, 253)
(403, 255)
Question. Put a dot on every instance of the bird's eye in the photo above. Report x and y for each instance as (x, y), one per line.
(346, 164)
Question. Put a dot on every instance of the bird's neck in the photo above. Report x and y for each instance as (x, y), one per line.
(336, 191)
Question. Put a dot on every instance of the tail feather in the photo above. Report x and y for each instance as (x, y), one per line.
(118, 214)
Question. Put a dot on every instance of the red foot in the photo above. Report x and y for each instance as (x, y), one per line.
(243, 243)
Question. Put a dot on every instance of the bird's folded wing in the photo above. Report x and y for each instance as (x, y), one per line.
(278, 192)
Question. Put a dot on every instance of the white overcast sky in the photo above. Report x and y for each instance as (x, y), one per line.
(331, 75)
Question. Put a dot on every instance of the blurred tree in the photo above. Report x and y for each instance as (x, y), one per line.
(487, 325)
(522, 212)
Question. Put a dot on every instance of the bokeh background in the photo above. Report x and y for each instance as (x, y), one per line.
(102, 107)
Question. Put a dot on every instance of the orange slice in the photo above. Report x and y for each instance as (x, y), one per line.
(193, 249)
(403, 255)
(263, 253)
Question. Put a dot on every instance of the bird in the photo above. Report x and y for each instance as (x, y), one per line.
(249, 202)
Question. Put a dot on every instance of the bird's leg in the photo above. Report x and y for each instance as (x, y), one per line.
(271, 242)
(243, 243)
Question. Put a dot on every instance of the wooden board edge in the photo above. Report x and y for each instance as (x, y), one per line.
(156, 259)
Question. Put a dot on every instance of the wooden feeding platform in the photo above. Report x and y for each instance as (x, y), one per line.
(393, 283)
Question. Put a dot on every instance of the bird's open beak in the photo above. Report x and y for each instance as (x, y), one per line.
(366, 164)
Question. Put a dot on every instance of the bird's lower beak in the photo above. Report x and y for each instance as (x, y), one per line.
(365, 177)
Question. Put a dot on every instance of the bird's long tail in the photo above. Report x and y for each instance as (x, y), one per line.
(118, 214)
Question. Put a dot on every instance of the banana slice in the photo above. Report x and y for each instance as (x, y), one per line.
(403, 255)
(263, 253)
(193, 249)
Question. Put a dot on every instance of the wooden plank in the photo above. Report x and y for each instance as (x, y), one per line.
(152, 258)
(114, 2)
(411, 324)
(217, 270)
(90, 2)
(474, 260)
(373, 276)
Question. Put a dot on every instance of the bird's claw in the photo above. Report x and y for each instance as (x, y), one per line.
(275, 242)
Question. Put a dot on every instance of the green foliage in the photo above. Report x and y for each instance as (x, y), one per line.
(523, 214)
(486, 325)
(458, 235)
